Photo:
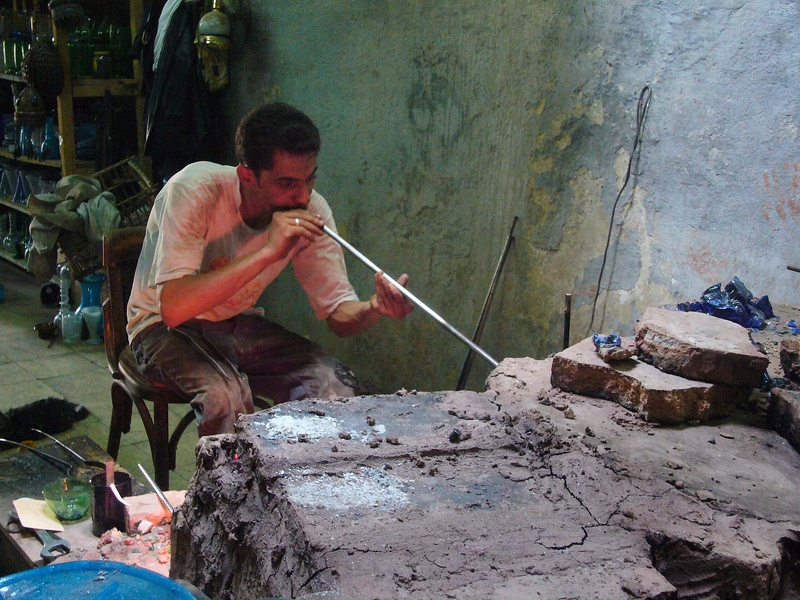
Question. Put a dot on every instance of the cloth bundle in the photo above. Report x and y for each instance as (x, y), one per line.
(79, 209)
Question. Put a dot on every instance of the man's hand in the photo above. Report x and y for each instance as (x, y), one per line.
(288, 227)
(388, 300)
(353, 317)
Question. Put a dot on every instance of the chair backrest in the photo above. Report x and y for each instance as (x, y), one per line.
(121, 248)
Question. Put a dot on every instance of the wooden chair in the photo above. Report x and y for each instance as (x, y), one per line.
(121, 249)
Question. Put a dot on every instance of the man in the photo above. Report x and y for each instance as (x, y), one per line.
(216, 237)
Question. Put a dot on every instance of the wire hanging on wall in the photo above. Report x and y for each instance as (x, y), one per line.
(641, 114)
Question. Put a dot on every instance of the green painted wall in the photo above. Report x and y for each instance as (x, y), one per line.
(442, 120)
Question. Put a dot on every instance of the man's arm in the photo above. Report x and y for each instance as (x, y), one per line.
(353, 317)
(191, 295)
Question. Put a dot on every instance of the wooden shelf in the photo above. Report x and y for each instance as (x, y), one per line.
(51, 164)
(94, 88)
(7, 202)
(12, 78)
(20, 262)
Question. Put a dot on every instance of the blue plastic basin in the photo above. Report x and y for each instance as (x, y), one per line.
(92, 580)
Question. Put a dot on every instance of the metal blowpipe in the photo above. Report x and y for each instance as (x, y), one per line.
(410, 296)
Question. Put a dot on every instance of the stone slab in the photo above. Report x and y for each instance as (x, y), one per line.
(465, 495)
(649, 392)
(783, 414)
(700, 347)
(790, 358)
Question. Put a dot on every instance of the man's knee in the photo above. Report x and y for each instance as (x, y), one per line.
(218, 407)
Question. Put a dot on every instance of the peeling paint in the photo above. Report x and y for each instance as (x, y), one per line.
(543, 165)
(595, 112)
(471, 113)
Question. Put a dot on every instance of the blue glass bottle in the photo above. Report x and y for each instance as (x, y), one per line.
(50, 146)
(26, 148)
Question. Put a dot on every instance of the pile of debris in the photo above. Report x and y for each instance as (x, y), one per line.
(684, 367)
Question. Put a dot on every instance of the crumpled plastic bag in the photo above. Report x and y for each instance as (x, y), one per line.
(734, 303)
(612, 340)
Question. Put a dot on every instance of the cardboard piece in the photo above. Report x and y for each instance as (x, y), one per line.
(36, 514)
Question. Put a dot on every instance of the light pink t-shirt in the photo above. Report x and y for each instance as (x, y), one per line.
(195, 227)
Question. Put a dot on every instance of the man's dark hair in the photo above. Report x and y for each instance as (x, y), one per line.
(274, 126)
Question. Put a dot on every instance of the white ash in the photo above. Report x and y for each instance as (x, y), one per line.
(368, 488)
(287, 427)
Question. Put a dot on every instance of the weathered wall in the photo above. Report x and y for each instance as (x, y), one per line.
(442, 120)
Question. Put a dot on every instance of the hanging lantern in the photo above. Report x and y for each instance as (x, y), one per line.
(66, 13)
(213, 47)
(42, 69)
(29, 108)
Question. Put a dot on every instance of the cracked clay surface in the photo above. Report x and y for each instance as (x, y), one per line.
(518, 492)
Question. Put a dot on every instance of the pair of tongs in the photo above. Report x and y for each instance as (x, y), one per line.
(88, 463)
(57, 462)
(71, 452)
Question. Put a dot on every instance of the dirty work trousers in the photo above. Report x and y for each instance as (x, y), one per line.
(222, 365)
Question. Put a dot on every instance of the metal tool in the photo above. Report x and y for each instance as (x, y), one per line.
(476, 337)
(409, 295)
(167, 504)
(52, 545)
(61, 464)
(71, 452)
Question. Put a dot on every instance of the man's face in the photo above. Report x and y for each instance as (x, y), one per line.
(288, 184)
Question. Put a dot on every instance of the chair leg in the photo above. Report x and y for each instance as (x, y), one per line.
(175, 439)
(121, 409)
(160, 444)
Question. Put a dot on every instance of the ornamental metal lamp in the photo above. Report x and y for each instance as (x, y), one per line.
(213, 47)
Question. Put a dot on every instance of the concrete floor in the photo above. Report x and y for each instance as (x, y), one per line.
(31, 369)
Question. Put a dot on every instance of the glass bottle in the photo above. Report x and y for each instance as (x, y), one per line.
(119, 37)
(9, 240)
(26, 148)
(91, 287)
(20, 197)
(102, 68)
(50, 146)
(41, 28)
(4, 227)
(71, 323)
(6, 189)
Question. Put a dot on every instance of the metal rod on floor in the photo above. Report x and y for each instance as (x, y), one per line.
(409, 295)
(567, 318)
(476, 337)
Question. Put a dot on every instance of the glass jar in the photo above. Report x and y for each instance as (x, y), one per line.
(102, 64)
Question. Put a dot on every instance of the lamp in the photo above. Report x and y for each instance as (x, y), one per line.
(29, 108)
(213, 47)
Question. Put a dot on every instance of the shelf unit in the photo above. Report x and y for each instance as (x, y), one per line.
(65, 108)
(5, 201)
(94, 88)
